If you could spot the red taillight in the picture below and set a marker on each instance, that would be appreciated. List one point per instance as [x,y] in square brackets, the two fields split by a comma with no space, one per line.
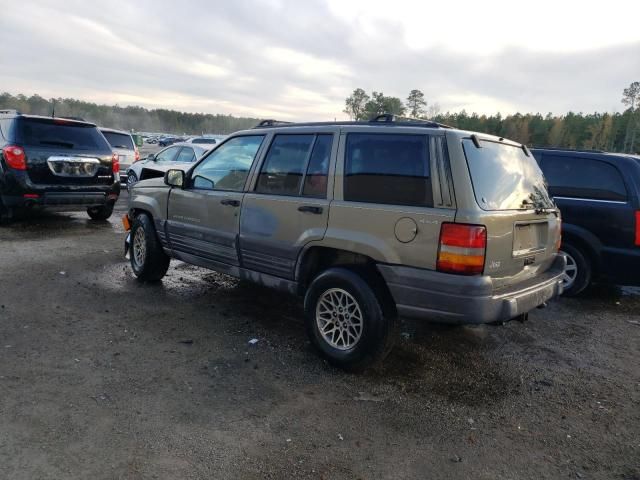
[638,228]
[136,155]
[115,163]
[15,157]
[462,248]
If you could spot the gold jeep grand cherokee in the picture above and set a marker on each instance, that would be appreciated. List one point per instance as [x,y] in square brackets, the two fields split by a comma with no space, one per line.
[368,221]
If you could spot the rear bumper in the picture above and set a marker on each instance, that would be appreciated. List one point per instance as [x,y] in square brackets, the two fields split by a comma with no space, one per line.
[16,191]
[59,199]
[454,299]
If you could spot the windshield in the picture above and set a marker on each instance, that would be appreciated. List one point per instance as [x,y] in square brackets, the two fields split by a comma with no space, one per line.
[119,140]
[504,177]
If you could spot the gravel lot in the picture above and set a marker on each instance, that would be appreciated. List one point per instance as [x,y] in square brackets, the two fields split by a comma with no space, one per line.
[104,377]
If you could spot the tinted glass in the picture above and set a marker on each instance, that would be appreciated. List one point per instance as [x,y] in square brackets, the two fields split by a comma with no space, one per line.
[227,167]
[315,181]
[583,178]
[283,169]
[58,134]
[119,140]
[504,177]
[167,155]
[390,169]
[186,155]
[210,141]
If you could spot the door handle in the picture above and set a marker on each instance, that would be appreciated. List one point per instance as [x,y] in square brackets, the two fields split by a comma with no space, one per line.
[310,209]
[230,202]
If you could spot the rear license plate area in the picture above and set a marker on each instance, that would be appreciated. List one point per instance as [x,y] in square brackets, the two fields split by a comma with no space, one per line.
[529,238]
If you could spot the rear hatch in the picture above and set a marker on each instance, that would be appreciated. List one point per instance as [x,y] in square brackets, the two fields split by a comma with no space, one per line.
[64,152]
[123,146]
[522,222]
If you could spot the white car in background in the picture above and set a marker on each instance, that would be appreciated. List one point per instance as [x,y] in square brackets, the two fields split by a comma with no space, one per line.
[179,155]
[202,141]
[122,145]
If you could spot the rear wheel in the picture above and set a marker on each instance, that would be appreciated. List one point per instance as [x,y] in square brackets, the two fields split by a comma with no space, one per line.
[148,260]
[100,213]
[577,274]
[345,320]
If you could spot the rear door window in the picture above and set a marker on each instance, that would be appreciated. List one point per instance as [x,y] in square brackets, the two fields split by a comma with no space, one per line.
[388,169]
[119,140]
[62,134]
[578,177]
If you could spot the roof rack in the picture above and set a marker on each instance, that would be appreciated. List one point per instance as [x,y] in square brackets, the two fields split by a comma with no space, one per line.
[391,118]
[272,123]
[386,118]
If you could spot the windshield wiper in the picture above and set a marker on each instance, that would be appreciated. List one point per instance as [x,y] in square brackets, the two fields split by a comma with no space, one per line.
[57,142]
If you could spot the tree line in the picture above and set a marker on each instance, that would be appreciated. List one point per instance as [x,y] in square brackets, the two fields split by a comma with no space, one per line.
[128,118]
[615,132]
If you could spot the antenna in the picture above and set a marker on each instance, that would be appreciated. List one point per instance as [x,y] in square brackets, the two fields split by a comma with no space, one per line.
[53,108]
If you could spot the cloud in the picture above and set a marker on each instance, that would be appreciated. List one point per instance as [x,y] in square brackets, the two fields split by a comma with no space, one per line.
[299,60]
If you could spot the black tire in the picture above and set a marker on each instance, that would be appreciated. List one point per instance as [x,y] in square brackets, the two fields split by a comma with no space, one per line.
[377,332]
[132,179]
[151,264]
[584,269]
[100,214]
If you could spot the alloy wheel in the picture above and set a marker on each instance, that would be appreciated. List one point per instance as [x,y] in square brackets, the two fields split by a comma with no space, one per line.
[339,319]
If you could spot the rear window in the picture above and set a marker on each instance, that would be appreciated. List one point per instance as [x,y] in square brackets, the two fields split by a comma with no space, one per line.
[504,177]
[207,141]
[48,133]
[583,178]
[119,140]
[388,168]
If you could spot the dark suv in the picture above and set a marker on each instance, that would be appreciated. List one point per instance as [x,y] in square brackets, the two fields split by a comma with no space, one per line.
[55,162]
[599,196]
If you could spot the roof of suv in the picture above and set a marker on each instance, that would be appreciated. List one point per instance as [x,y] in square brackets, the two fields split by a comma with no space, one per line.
[567,152]
[16,114]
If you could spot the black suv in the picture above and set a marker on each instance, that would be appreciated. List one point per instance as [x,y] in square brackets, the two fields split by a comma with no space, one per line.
[599,196]
[55,162]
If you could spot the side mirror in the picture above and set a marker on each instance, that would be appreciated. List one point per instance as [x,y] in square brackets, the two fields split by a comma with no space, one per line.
[151,157]
[174,178]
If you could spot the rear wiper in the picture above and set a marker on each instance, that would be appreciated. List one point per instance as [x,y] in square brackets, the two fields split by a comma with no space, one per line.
[57,142]
[539,209]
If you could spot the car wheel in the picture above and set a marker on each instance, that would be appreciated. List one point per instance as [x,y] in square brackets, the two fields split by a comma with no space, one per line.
[346,321]
[100,213]
[132,179]
[148,260]
[577,274]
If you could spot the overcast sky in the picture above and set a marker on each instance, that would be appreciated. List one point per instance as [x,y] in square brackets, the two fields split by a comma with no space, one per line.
[299,59]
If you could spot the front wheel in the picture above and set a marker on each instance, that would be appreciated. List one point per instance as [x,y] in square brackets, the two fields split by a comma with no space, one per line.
[132,179]
[101,213]
[345,320]
[148,260]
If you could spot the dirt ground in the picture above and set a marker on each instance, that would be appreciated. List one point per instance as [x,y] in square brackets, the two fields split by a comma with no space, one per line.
[103,377]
